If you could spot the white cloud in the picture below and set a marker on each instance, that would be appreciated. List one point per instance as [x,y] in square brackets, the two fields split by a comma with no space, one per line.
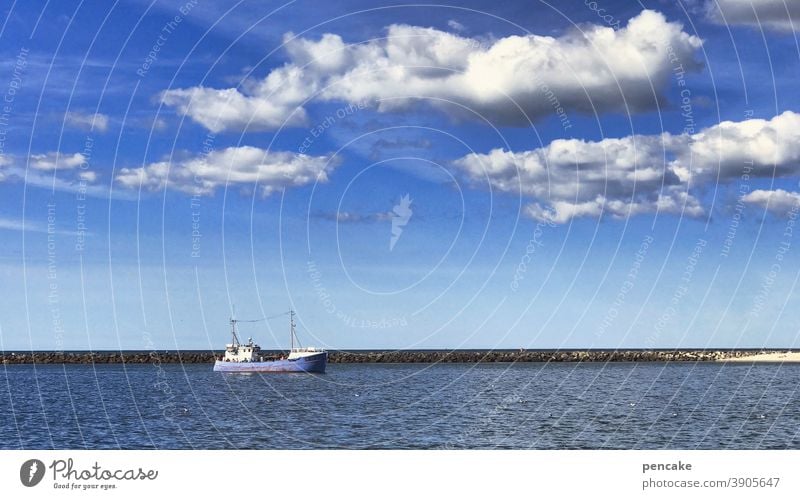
[768,147]
[8,224]
[269,171]
[159,124]
[14,166]
[638,174]
[345,217]
[90,122]
[5,161]
[779,202]
[455,25]
[782,15]
[56,161]
[672,200]
[219,110]
[32,226]
[597,69]
[575,178]
[55,171]
[88,176]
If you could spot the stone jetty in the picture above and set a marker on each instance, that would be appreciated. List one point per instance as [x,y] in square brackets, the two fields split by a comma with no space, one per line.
[390,357]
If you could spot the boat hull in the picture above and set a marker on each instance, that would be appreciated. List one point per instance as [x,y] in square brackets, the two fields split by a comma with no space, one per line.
[310,364]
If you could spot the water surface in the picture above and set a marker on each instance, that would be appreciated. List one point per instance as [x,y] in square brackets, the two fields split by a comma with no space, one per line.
[520,406]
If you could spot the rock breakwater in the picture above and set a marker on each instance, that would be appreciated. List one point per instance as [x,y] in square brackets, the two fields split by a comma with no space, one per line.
[390,357]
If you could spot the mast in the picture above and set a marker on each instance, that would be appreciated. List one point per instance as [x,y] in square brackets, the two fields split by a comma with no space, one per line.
[235,339]
[291,327]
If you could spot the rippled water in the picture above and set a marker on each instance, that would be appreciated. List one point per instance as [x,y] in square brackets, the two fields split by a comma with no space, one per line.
[649,406]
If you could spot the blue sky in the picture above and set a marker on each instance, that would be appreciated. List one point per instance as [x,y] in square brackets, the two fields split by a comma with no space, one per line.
[581,174]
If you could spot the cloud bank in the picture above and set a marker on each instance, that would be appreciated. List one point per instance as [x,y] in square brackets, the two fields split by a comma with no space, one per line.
[244,166]
[573,178]
[596,69]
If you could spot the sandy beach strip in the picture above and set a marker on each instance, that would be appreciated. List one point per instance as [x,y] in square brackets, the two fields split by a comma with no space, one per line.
[765,357]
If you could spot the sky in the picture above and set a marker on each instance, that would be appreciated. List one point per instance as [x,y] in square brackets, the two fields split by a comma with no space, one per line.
[574,174]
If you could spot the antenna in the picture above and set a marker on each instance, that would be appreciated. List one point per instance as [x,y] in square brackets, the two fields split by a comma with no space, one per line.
[291,326]
[234,339]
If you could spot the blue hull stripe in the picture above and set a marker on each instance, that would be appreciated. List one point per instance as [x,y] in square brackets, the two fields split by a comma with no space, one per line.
[310,364]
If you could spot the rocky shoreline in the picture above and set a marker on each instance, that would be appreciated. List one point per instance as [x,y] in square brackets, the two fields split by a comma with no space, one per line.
[394,357]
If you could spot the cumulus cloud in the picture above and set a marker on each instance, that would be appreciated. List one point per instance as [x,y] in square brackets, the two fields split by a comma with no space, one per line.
[11,165]
[56,161]
[596,69]
[269,171]
[779,202]
[571,178]
[782,15]
[229,109]
[53,170]
[576,178]
[89,122]
[756,147]
[672,200]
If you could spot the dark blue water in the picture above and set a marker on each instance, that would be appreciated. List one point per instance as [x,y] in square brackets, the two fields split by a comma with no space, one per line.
[642,406]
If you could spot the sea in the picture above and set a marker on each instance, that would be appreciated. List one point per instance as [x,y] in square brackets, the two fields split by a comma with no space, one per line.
[403,406]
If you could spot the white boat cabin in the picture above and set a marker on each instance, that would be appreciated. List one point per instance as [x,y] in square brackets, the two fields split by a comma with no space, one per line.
[298,353]
[248,352]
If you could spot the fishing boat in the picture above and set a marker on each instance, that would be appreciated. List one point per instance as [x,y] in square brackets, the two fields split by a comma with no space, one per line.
[247,357]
